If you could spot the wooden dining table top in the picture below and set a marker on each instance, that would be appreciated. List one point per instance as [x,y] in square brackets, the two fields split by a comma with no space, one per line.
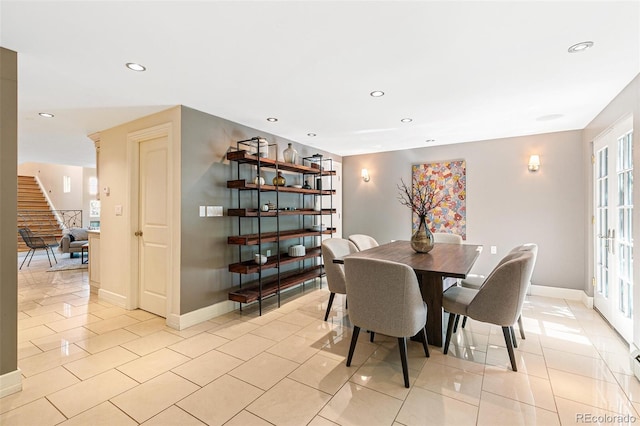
[451,260]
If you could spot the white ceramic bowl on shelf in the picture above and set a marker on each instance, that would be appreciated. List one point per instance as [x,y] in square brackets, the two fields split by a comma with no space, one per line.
[260,259]
[297,250]
[318,228]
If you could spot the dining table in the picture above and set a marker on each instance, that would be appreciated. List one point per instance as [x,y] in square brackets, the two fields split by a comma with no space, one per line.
[444,260]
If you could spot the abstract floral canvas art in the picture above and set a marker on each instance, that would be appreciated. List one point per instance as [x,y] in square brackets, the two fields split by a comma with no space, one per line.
[451,179]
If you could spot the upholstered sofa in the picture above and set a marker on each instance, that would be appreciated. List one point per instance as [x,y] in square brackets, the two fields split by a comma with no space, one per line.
[72,240]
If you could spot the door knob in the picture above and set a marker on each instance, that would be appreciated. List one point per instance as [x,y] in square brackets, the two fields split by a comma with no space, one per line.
[138,234]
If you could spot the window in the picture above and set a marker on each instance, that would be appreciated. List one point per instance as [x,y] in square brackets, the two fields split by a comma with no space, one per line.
[66,184]
[94,208]
[93,185]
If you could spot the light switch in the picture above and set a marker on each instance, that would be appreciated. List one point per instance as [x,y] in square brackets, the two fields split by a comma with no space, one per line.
[119,210]
[214,210]
[202,211]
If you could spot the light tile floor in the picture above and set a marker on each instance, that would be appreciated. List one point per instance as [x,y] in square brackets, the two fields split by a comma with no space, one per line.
[87,362]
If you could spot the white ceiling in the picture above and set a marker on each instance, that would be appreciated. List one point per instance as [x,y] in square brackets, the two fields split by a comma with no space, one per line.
[462,71]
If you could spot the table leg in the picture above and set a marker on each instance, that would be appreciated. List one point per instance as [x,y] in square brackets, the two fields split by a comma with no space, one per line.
[431,289]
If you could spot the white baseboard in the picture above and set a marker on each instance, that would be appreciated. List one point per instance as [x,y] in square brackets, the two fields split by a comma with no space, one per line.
[587,300]
[560,293]
[113,298]
[10,383]
[180,322]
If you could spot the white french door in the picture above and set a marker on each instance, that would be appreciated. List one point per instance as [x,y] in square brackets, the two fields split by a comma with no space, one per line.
[613,232]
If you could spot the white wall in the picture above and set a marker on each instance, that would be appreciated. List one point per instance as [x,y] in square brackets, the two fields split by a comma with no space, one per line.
[118,245]
[506,204]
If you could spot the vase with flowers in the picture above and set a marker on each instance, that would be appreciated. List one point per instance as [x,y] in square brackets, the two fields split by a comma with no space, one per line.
[421,198]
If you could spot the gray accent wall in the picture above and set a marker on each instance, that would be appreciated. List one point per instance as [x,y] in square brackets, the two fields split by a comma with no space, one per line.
[8,210]
[205,254]
[506,204]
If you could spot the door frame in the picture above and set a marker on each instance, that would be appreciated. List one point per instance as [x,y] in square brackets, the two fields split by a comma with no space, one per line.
[133,165]
[608,133]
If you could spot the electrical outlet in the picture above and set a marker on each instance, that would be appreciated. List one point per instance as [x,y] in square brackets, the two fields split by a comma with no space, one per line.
[494,249]
[268,253]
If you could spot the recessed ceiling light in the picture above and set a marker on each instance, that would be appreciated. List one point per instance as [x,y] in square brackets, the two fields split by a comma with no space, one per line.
[430,140]
[580,47]
[272,119]
[377,93]
[135,67]
[46,114]
[406,120]
[311,135]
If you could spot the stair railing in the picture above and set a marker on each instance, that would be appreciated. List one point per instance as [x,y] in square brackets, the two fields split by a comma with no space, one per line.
[62,219]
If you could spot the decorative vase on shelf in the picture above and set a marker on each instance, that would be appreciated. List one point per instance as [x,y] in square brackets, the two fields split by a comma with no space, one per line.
[422,239]
[306,185]
[290,155]
[279,180]
[260,147]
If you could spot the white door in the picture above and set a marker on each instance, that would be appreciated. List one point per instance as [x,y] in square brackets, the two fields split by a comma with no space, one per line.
[613,184]
[153,225]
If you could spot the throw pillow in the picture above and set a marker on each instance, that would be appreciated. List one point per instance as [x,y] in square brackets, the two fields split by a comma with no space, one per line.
[79,234]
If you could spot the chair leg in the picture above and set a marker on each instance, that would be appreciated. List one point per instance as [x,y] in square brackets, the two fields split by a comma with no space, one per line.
[425,341]
[371,336]
[464,321]
[402,343]
[513,337]
[32,253]
[507,340]
[25,258]
[452,320]
[331,296]
[455,326]
[354,340]
[346,302]
[53,254]
[521,327]
[46,249]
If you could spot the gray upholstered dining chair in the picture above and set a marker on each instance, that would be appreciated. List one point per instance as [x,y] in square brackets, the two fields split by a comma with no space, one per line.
[363,242]
[445,237]
[498,301]
[331,249]
[385,298]
[476,281]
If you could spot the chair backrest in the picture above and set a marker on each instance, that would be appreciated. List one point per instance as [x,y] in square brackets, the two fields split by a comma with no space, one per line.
[363,242]
[501,296]
[528,247]
[533,248]
[27,237]
[384,297]
[331,249]
[445,237]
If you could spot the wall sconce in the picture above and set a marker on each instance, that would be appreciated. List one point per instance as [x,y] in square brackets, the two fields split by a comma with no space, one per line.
[365,175]
[534,163]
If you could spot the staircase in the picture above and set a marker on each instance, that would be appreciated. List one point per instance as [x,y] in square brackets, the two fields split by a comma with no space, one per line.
[34,211]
